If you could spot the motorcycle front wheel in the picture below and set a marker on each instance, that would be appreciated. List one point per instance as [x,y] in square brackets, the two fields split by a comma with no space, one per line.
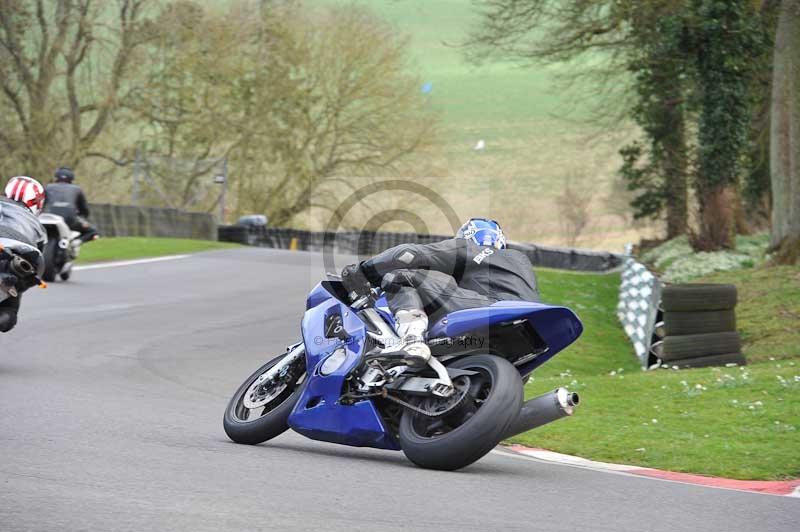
[258,413]
[468,432]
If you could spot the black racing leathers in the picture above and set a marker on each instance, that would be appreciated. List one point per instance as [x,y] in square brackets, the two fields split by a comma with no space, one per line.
[21,233]
[450,275]
[67,200]
[17,222]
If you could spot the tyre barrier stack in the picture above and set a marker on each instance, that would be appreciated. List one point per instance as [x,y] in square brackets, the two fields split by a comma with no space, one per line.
[699,326]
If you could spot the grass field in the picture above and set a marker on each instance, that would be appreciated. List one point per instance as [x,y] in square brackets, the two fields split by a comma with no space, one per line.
[530,125]
[768,312]
[127,248]
[735,422]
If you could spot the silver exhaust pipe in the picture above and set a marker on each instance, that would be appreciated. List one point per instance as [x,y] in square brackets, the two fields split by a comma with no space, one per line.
[543,410]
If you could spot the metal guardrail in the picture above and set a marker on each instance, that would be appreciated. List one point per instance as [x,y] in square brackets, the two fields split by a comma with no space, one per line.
[129,220]
[365,243]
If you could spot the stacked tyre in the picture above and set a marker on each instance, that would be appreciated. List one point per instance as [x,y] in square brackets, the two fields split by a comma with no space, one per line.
[699,322]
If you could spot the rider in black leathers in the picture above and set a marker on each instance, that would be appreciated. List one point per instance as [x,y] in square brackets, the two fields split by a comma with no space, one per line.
[21,233]
[428,281]
[66,199]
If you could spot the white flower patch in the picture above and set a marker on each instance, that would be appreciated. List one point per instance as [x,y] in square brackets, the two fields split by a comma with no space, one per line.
[689,267]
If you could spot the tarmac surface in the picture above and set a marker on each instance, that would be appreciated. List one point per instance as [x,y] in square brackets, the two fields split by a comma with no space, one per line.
[112,390]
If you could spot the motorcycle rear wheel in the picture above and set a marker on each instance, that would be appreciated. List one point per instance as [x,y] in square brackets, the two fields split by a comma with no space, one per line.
[50,260]
[460,438]
[247,426]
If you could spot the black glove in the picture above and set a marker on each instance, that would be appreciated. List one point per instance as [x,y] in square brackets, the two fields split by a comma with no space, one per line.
[355,282]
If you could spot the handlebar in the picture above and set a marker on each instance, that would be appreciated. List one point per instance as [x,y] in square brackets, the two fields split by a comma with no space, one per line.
[366,301]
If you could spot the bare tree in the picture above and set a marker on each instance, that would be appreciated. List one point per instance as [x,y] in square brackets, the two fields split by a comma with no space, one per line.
[298,100]
[63,68]
[191,106]
[574,208]
[785,136]
[353,111]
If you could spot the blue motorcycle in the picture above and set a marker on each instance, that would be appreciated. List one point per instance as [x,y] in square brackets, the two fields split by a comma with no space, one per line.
[337,386]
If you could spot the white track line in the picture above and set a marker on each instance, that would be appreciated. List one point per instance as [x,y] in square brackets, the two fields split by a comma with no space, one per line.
[120,263]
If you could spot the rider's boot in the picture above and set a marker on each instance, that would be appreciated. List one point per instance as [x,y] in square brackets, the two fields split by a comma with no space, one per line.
[411,327]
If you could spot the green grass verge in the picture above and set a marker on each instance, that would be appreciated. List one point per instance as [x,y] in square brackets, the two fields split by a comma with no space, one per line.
[126,248]
[768,312]
[733,422]
[603,346]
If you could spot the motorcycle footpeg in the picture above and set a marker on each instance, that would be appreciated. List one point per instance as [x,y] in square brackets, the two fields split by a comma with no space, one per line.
[10,290]
[442,390]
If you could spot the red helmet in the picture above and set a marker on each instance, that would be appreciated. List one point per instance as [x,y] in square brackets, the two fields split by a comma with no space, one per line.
[27,191]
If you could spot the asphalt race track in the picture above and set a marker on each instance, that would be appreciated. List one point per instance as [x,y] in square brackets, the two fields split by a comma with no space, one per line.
[112,390]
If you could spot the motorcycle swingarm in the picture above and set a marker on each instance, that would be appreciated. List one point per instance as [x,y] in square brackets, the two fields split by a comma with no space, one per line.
[423,385]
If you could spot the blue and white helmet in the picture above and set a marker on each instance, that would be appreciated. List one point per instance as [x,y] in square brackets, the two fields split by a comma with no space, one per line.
[484,232]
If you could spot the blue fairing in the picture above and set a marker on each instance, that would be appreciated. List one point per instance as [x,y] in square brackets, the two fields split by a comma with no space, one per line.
[318,295]
[318,413]
[558,326]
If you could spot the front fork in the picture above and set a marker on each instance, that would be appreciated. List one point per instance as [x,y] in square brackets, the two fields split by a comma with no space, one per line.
[278,371]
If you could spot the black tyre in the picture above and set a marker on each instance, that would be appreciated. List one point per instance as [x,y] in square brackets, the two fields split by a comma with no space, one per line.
[50,260]
[693,297]
[457,439]
[65,275]
[712,360]
[249,426]
[699,345]
[711,321]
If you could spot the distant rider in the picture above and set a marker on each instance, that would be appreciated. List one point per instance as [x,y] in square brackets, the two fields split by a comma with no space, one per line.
[66,199]
[422,281]
[23,235]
